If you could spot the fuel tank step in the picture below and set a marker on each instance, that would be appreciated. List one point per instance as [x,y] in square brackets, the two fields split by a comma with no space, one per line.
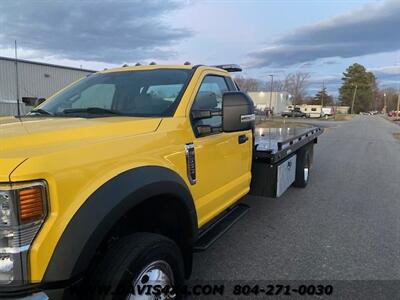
[217,228]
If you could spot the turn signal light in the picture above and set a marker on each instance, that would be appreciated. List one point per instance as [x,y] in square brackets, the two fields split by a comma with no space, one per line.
[31,204]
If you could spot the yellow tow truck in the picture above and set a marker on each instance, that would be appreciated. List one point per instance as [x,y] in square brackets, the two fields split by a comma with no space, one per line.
[118,178]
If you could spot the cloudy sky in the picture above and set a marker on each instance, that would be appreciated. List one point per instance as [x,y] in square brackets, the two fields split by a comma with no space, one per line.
[321,37]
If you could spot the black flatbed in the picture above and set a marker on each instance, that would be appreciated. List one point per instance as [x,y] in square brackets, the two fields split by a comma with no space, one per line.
[275,144]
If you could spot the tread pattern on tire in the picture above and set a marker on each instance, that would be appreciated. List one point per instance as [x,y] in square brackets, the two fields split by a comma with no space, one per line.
[111,269]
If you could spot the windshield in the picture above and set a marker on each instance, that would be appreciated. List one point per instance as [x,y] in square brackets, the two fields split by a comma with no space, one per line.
[136,93]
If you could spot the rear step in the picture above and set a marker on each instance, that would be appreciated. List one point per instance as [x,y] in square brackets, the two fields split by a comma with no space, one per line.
[215,230]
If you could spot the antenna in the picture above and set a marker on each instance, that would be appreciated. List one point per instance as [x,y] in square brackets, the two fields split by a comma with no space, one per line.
[17,80]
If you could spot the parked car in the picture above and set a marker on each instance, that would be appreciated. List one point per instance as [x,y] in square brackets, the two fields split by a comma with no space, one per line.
[295,113]
[393,113]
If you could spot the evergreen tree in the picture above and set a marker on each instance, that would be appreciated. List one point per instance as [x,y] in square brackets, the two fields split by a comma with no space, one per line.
[356,78]
[322,98]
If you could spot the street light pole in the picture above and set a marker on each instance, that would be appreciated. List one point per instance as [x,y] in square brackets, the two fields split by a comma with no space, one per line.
[270,96]
[354,99]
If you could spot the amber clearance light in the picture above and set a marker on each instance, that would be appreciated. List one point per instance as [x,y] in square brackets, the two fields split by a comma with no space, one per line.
[31,204]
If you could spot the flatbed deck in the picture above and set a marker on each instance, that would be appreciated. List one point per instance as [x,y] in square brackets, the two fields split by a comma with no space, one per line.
[274,144]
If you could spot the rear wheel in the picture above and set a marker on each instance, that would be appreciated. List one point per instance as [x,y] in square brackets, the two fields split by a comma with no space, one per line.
[135,263]
[303,163]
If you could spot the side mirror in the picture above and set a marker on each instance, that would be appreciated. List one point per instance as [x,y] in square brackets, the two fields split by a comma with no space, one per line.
[237,112]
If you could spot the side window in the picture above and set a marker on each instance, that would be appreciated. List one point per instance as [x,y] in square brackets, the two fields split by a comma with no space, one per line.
[232,86]
[209,97]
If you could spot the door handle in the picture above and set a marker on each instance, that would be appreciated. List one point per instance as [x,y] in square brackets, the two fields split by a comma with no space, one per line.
[242,139]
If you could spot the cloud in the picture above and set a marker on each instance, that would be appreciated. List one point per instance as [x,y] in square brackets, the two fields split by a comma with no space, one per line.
[331,82]
[327,79]
[386,70]
[387,75]
[107,31]
[370,30]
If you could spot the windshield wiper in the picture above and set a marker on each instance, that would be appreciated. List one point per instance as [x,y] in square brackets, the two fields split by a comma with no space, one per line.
[91,110]
[40,111]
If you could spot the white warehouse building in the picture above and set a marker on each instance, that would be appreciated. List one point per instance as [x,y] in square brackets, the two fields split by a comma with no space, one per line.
[279,100]
[35,80]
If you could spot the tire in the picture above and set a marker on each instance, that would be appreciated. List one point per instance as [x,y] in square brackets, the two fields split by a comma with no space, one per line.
[303,164]
[136,260]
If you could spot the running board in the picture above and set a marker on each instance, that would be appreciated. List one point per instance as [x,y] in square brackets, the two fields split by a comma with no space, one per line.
[214,231]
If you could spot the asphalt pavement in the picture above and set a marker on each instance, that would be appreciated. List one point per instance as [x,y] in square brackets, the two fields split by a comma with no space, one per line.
[344,226]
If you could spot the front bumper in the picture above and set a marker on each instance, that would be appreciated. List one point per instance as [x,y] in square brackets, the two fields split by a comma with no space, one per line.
[38,292]
[37,296]
[54,294]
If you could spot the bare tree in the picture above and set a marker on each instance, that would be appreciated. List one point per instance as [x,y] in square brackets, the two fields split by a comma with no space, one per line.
[389,96]
[248,84]
[296,84]
[278,86]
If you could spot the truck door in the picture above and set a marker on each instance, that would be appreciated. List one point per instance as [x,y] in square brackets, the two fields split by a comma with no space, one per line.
[223,160]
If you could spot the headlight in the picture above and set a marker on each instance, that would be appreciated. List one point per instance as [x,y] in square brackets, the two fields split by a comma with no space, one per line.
[23,208]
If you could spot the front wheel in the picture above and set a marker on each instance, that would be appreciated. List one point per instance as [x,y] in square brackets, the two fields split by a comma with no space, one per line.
[136,262]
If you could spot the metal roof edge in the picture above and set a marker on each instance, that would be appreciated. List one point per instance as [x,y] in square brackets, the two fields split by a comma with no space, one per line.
[45,64]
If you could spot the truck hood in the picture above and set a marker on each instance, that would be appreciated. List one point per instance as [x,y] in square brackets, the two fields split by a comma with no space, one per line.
[23,138]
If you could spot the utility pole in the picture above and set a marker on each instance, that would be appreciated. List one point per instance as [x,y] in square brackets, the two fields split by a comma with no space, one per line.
[322,100]
[384,103]
[17,80]
[270,96]
[323,91]
[354,99]
[398,95]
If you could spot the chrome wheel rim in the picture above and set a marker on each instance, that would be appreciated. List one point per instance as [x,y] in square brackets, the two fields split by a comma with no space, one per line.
[156,273]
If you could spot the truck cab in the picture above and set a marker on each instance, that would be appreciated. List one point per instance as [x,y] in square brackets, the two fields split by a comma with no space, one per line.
[114,181]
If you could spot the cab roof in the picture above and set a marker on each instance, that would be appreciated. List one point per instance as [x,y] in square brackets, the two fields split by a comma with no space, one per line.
[146,67]
[126,68]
